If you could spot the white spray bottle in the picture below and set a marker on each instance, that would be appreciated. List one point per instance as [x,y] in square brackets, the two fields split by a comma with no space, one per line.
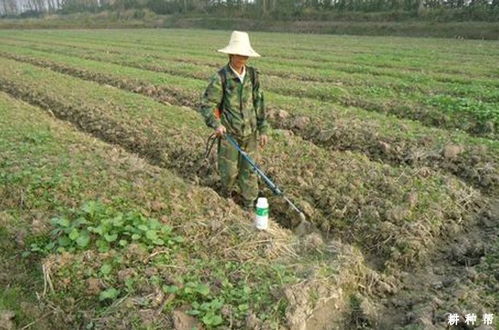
[262,213]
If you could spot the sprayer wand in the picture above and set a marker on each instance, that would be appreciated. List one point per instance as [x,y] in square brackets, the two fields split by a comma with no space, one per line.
[272,186]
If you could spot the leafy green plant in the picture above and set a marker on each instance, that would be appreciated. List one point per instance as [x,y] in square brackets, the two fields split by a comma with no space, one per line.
[482,111]
[110,293]
[100,226]
[229,293]
[200,297]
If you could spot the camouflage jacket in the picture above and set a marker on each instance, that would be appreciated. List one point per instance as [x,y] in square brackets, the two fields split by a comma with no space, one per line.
[243,107]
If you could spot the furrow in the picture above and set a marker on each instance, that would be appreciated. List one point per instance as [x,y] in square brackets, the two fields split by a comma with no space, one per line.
[479,114]
[395,215]
[472,164]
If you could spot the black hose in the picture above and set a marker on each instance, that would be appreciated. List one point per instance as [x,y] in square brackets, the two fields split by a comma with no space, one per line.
[209,145]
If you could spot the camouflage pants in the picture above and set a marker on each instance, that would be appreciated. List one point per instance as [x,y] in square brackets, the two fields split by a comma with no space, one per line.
[233,167]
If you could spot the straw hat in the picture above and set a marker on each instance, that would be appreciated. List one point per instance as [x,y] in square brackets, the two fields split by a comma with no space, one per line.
[239,44]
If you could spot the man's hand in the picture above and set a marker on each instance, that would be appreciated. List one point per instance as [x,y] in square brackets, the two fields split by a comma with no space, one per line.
[220,131]
[263,140]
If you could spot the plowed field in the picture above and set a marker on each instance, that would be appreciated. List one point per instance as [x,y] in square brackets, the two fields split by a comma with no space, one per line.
[110,215]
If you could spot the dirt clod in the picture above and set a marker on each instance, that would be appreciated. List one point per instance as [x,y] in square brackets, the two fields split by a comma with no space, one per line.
[125,274]
[252,322]
[182,321]
[38,225]
[147,316]
[20,239]
[385,147]
[281,114]
[157,205]
[301,122]
[136,251]
[7,319]
[451,151]
[313,242]
[93,286]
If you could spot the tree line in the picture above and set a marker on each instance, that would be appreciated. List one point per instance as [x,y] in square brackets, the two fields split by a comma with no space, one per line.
[272,9]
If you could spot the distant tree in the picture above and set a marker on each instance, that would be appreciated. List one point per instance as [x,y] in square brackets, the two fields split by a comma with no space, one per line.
[2,7]
[10,7]
[267,9]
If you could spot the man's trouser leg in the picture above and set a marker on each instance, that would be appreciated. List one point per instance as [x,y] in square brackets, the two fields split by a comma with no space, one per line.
[247,178]
[228,157]
[232,166]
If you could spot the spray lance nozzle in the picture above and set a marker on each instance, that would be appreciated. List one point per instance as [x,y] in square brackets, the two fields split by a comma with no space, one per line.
[300,213]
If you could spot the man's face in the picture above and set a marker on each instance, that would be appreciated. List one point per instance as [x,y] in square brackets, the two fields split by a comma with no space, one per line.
[238,61]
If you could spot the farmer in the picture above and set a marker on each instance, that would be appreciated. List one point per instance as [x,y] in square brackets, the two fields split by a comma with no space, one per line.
[233,104]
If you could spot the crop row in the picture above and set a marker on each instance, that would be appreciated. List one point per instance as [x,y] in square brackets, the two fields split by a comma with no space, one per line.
[55,169]
[425,102]
[379,137]
[395,213]
[303,69]
[437,64]
[415,55]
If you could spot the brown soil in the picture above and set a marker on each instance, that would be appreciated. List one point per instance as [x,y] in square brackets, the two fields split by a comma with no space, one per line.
[451,280]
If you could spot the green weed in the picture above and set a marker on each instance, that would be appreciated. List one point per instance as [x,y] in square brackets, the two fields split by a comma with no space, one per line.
[96,225]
